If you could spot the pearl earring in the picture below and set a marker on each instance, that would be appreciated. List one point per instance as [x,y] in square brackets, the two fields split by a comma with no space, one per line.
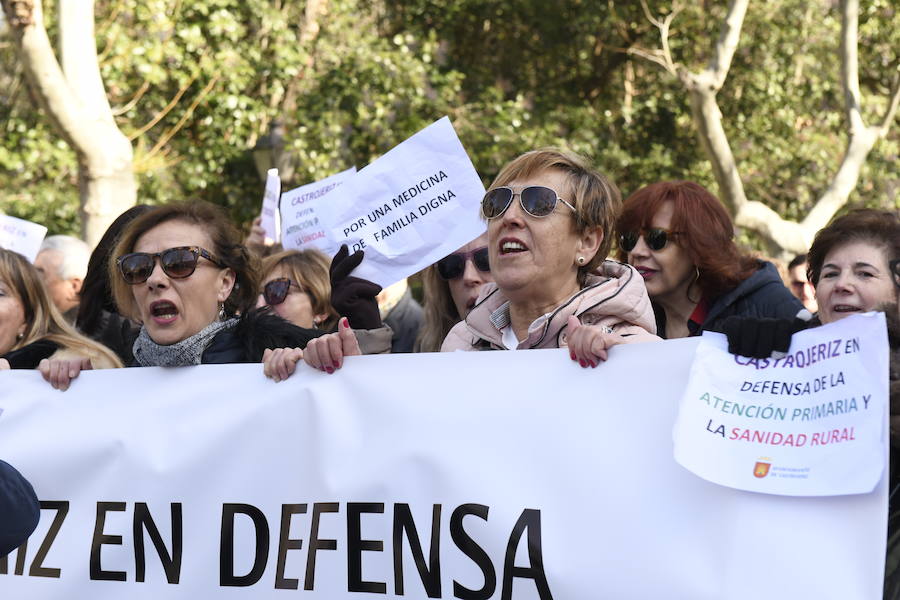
[580,260]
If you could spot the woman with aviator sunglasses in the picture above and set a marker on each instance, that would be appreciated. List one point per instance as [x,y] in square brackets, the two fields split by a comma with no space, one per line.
[550,221]
[451,287]
[181,271]
[680,239]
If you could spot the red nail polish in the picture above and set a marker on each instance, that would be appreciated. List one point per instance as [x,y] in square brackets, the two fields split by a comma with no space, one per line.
[572,355]
[329,370]
[336,365]
[582,363]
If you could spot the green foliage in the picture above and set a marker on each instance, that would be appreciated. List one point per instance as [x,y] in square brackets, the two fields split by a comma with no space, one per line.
[196,83]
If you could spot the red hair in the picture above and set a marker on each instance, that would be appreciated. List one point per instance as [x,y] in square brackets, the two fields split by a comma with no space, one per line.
[705,231]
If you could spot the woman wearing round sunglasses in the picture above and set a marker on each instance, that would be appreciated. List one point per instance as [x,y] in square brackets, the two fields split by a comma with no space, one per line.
[550,221]
[451,287]
[181,271]
[680,239]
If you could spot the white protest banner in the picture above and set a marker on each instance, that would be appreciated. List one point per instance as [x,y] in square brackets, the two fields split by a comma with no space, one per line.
[486,474]
[301,225]
[411,207]
[808,424]
[269,213]
[21,236]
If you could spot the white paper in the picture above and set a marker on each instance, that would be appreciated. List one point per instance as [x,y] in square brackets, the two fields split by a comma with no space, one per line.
[411,207]
[269,213]
[21,236]
[590,449]
[813,423]
[301,224]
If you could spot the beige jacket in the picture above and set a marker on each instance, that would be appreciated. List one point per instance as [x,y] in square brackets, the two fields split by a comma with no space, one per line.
[614,297]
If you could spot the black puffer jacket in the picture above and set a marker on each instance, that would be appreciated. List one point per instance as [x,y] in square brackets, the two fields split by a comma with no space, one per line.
[19,509]
[762,295]
[255,332]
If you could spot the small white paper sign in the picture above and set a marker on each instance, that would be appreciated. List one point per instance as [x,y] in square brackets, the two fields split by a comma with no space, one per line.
[813,423]
[411,207]
[269,213]
[21,236]
[301,225]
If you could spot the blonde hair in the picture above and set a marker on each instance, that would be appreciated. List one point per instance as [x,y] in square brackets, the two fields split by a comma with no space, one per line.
[43,321]
[597,200]
[440,314]
[310,270]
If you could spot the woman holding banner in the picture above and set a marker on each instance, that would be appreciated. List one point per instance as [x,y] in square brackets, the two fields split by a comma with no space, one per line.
[32,328]
[550,222]
[182,272]
[301,287]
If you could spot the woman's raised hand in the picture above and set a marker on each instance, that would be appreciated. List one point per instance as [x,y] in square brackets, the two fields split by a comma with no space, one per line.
[61,371]
[588,344]
[327,352]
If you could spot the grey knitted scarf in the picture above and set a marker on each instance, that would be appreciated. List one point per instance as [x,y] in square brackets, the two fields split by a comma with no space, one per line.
[186,352]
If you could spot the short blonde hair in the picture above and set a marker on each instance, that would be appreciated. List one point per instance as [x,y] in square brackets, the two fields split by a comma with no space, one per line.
[310,270]
[43,321]
[597,200]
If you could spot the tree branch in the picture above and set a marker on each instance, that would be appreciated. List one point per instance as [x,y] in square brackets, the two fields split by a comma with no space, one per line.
[166,110]
[78,57]
[727,43]
[164,139]
[893,103]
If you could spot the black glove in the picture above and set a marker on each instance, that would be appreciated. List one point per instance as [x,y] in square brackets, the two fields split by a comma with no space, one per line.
[759,337]
[353,297]
[28,357]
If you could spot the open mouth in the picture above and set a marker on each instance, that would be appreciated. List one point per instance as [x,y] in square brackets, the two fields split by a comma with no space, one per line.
[511,246]
[845,308]
[163,311]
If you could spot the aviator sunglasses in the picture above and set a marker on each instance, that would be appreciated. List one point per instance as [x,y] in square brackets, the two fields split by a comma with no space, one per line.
[177,263]
[656,238]
[454,265]
[536,200]
[277,290]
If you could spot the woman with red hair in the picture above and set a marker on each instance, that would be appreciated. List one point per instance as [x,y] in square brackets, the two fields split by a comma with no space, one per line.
[681,240]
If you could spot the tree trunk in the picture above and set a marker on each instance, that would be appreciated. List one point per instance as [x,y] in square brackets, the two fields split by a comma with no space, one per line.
[76,103]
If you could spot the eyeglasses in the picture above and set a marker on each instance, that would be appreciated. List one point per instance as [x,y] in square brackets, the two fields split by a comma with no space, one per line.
[177,263]
[277,290]
[655,237]
[895,269]
[454,265]
[536,200]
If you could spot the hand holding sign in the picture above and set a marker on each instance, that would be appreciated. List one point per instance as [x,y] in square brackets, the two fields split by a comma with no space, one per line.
[353,297]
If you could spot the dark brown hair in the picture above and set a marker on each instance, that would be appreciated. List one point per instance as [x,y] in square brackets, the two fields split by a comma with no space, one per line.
[703,227]
[877,227]
[227,248]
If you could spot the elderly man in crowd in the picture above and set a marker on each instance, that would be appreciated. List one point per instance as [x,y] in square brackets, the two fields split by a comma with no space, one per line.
[62,262]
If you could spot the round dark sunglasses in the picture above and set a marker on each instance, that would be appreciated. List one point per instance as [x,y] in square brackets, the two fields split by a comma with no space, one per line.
[454,265]
[536,200]
[277,290]
[177,263]
[656,238]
